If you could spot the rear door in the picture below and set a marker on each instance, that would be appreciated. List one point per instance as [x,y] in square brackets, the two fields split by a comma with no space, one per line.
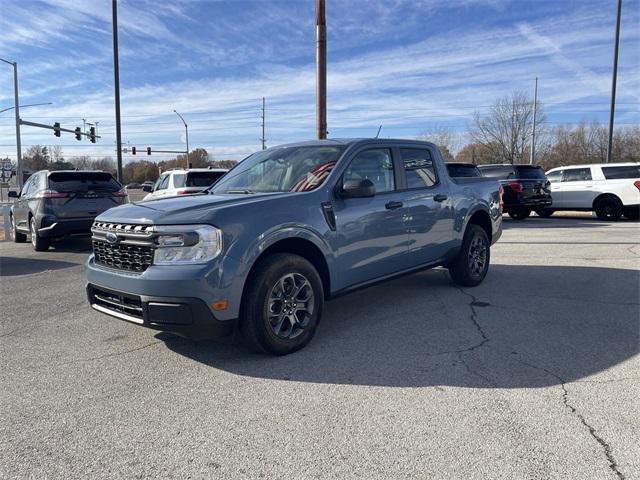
[578,188]
[83,194]
[430,220]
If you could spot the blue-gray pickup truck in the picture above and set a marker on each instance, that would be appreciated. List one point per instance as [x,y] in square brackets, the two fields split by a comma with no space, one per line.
[285,230]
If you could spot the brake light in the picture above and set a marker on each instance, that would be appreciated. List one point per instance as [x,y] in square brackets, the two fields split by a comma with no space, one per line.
[119,193]
[637,184]
[500,194]
[51,194]
[516,187]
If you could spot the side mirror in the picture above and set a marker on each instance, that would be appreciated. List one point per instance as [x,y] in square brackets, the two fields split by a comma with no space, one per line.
[358,189]
[147,188]
[13,194]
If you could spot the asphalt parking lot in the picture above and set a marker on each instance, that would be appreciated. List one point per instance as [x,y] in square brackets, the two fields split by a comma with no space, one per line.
[533,374]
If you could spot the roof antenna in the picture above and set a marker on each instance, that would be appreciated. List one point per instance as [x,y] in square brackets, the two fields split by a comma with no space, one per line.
[379,128]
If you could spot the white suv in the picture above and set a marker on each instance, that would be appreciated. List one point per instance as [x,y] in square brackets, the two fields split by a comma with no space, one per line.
[184,182]
[609,189]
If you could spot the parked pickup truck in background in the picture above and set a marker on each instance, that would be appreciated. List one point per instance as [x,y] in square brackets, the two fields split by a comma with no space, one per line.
[286,229]
[525,188]
[609,189]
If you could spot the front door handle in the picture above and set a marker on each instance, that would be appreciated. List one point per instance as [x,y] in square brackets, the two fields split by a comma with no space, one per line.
[441,197]
[393,205]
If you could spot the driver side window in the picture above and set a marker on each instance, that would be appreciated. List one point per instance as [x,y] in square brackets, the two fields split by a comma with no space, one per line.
[163,182]
[375,165]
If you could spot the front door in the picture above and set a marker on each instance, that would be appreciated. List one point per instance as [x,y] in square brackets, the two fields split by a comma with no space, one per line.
[371,233]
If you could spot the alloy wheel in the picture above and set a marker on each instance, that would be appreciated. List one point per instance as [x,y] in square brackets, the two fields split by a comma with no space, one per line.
[477,256]
[290,306]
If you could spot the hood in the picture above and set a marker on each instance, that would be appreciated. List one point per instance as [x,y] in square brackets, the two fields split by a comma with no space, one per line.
[184,209]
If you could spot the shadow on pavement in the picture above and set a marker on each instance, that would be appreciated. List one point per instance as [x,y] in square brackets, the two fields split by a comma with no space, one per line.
[556,222]
[525,327]
[72,245]
[15,266]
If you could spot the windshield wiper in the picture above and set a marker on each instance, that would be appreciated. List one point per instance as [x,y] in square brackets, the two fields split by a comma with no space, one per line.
[244,192]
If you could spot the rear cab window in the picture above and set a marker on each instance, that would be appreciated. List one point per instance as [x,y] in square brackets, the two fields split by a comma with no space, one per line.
[625,171]
[83,182]
[463,171]
[419,168]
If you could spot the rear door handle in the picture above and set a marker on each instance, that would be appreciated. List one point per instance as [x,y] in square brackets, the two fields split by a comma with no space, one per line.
[393,205]
[441,197]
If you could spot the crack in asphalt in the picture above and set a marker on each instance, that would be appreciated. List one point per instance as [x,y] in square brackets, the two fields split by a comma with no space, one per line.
[592,431]
[477,374]
[474,320]
[113,354]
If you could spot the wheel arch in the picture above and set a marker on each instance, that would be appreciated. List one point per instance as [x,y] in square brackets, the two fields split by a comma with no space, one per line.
[481,218]
[602,196]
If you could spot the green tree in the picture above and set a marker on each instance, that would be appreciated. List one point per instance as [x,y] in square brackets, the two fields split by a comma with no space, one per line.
[36,158]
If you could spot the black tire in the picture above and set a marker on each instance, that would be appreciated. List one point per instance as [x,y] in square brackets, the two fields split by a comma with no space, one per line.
[16,236]
[39,243]
[544,213]
[264,322]
[632,213]
[608,208]
[519,214]
[465,269]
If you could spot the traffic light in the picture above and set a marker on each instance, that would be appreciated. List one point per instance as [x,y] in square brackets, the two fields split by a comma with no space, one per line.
[148,150]
[78,133]
[133,150]
[56,129]
[92,134]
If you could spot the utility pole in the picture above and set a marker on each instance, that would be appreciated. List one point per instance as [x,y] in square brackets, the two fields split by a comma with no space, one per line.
[264,140]
[614,79]
[186,132]
[533,131]
[116,84]
[16,106]
[321,70]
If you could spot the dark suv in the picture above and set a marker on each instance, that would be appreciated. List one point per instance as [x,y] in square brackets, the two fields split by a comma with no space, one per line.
[526,188]
[53,205]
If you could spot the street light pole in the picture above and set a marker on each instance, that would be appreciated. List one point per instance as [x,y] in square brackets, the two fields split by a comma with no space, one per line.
[533,131]
[16,106]
[614,78]
[116,85]
[25,106]
[186,134]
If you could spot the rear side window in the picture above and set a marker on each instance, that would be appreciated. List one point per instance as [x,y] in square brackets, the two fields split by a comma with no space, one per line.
[498,171]
[418,167]
[529,173]
[462,171]
[627,171]
[576,175]
[202,179]
[82,182]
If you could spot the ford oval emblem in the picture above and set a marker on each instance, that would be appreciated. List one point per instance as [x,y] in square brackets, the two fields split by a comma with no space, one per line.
[111,237]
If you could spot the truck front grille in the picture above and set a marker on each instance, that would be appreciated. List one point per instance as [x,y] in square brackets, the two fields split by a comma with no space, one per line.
[123,247]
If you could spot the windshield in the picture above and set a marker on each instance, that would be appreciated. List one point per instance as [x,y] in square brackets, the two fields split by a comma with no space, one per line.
[285,169]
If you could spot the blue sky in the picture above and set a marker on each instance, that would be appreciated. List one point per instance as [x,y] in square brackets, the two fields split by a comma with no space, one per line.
[410,65]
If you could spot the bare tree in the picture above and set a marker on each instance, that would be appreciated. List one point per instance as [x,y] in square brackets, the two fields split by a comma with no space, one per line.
[444,137]
[507,129]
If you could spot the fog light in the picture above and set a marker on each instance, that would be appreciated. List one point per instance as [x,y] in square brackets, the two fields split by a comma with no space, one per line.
[220,304]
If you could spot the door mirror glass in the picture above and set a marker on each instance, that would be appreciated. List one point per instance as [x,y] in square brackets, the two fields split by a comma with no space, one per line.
[358,188]
[13,194]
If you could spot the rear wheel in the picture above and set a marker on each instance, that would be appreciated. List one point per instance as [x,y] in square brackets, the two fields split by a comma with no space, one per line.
[608,208]
[472,263]
[282,305]
[16,236]
[519,214]
[39,244]
[632,213]
[544,213]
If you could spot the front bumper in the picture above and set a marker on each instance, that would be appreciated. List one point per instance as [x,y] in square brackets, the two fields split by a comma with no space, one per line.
[185,316]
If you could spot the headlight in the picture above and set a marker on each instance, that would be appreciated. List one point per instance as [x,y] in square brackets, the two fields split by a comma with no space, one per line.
[187,244]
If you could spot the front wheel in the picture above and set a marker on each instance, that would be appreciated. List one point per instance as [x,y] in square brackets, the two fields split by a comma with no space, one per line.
[472,263]
[282,304]
[544,213]
[519,214]
[16,236]
[39,243]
